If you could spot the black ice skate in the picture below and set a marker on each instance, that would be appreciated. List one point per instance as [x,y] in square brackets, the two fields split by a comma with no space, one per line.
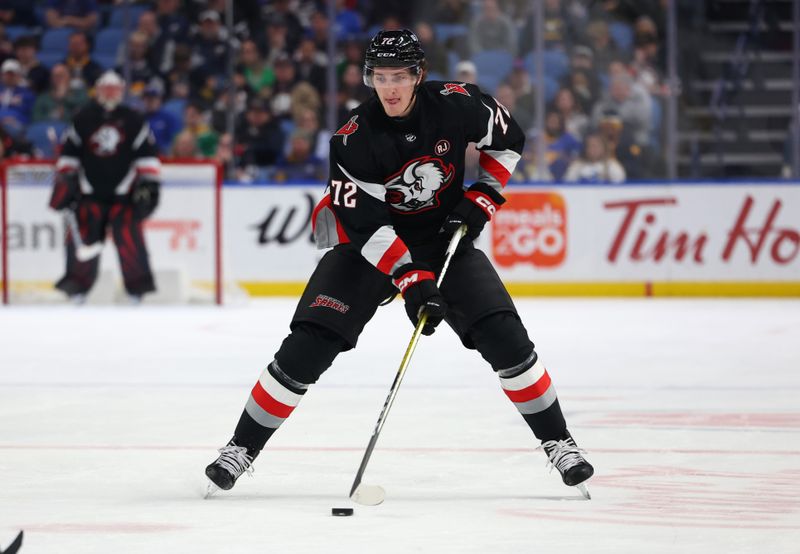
[232,462]
[564,455]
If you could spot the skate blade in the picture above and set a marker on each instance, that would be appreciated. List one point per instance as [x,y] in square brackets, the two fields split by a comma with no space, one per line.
[211,489]
[584,491]
[368,495]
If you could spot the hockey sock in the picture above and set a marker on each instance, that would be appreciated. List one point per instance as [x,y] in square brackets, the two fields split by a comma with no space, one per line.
[273,398]
[529,387]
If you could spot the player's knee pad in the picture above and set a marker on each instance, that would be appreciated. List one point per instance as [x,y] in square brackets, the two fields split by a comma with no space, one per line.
[308,351]
[503,342]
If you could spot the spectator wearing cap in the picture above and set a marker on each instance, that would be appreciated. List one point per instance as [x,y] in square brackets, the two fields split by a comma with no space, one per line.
[490,29]
[257,75]
[34,74]
[259,138]
[195,121]
[465,71]
[638,160]
[78,14]
[16,100]
[163,124]
[83,69]
[285,80]
[60,102]
[210,44]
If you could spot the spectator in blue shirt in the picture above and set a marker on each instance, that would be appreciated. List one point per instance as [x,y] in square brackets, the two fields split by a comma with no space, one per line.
[16,101]
[163,124]
[78,14]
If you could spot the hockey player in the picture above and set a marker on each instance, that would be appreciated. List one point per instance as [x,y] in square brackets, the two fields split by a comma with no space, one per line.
[108,175]
[393,201]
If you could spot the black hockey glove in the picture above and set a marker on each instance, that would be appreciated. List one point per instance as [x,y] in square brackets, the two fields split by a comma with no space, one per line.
[417,284]
[145,197]
[66,191]
[479,204]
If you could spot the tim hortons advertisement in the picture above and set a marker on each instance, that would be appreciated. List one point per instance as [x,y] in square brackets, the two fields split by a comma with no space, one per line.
[648,233]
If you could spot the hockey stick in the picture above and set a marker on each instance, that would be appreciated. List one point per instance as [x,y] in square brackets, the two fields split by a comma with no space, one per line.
[372,495]
[14,546]
[83,252]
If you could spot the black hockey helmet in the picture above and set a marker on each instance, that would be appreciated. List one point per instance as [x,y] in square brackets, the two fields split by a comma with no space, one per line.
[393,49]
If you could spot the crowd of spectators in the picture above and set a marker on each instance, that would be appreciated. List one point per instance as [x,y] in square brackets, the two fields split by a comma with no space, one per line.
[602,90]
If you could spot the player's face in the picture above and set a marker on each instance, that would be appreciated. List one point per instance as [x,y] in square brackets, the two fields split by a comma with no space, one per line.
[395,89]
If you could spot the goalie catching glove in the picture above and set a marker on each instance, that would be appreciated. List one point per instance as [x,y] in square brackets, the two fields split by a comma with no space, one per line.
[66,191]
[417,284]
[145,197]
[479,204]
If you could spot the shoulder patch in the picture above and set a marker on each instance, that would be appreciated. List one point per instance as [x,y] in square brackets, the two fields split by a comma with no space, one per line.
[347,129]
[451,88]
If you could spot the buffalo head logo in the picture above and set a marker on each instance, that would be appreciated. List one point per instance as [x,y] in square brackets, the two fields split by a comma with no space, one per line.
[106,140]
[416,187]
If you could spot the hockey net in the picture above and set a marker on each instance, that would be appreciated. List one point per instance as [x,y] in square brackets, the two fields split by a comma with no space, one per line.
[183,237]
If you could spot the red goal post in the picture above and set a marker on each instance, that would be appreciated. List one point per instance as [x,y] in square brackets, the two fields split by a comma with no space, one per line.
[184,235]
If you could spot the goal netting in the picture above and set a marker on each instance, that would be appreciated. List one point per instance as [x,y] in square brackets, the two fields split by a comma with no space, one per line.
[182,236]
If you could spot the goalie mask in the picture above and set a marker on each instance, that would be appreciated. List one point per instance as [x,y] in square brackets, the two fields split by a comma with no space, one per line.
[397,49]
[109,90]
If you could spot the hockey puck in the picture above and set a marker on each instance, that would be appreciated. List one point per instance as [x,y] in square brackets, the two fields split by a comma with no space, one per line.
[341,511]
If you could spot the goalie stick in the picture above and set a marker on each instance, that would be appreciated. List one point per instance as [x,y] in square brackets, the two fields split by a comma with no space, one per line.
[372,495]
[83,252]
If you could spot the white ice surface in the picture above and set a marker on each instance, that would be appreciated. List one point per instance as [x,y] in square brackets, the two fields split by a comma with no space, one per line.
[689,409]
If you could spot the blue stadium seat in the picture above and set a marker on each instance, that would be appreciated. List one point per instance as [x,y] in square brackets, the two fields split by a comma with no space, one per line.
[50,58]
[55,40]
[107,42]
[446,31]
[117,19]
[13,32]
[37,134]
[556,63]
[106,61]
[493,66]
[622,33]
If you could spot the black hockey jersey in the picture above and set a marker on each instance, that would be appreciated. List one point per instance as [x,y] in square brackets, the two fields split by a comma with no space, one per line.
[109,149]
[393,182]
